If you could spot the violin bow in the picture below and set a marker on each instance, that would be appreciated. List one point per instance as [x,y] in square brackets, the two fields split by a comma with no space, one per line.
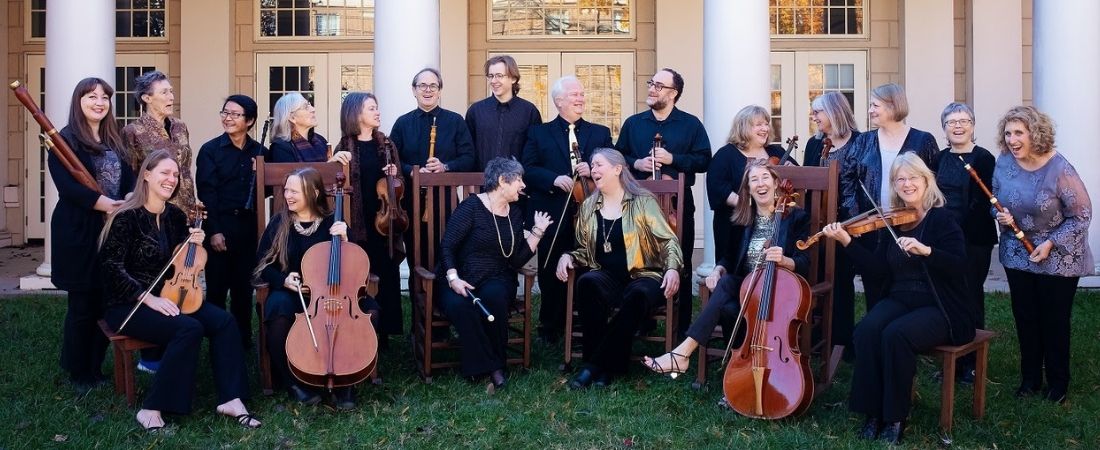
[309,323]
[141,298]
[564,208]
[889,228]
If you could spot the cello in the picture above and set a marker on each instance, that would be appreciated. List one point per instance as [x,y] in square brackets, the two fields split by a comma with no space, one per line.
[333,344]
[769,377]
[183,287]
[391,220]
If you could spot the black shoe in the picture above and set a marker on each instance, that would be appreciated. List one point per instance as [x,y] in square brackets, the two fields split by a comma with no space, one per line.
[603,380]
[303,395]
[870,429]
[892,433]
[344,398]
[498,379]
[1027,389]
[582,380]
[1056,395]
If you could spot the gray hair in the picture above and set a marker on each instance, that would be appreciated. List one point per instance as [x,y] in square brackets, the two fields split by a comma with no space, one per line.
[839,112]
[507,168]
[957,107]
[558,89]
[144,84]
[284,107]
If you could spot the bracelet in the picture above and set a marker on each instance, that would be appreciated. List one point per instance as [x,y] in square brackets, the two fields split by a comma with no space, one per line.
[451,277]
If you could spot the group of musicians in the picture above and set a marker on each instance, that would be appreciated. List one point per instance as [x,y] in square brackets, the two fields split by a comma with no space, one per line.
[923,277]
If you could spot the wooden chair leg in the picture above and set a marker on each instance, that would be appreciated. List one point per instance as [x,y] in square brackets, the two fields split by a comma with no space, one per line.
[980,379]
[566,366]
[265,360]
[701,352]
[128,374]
[947,406]
[120,368]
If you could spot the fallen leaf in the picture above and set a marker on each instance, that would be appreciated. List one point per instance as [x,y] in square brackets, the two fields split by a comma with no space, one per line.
[60,438]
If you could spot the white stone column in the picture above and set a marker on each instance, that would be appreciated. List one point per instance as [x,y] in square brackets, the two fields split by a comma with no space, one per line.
[406,39]
[995,64]
[206,67]
[928,45]
[80,43]
[1066,61]
[736,67]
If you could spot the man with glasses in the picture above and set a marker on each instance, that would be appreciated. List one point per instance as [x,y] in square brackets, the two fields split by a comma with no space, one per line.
[453,152]
[499,122]
[685,150]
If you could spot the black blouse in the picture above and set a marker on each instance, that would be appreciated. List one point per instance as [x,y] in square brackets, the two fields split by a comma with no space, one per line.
[965,200]
[296,247]
[136,249]
[473,241]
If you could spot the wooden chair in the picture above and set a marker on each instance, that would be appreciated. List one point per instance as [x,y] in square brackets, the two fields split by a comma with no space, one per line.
[949,356]
[818,187]
[270,178]
[670,197]
[448,189]
[124,347]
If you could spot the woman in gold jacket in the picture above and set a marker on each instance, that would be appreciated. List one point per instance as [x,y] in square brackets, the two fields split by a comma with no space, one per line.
[632,260]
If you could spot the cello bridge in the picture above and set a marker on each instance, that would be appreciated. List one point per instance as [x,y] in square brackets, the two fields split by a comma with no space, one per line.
[762,347]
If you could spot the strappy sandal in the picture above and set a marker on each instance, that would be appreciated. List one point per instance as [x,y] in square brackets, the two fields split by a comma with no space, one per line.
[674,371]
[245,420]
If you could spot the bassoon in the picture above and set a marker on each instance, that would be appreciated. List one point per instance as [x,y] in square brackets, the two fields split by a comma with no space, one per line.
[58,146]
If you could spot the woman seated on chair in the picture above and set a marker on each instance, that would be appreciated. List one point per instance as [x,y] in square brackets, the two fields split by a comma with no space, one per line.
[137,241]
[633,260]
[291,232]
[292,135]
[484,238]
[752,225]
[925,305]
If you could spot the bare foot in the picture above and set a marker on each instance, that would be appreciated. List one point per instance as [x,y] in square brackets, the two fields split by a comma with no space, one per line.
[150,419]
[671,362]
[236,409]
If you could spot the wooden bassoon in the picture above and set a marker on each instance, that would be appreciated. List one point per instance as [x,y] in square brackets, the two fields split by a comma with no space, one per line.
[55,144]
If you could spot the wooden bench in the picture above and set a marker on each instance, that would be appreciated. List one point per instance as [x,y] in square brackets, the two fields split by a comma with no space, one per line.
[124,347]
[950,354]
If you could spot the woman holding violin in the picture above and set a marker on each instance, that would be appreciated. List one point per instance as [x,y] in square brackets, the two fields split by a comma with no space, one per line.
[307,220]
[751,225]
[137,241]
[925,302]
[373,174]
[93,135]
[481,251]
[1044,198]
[633,263]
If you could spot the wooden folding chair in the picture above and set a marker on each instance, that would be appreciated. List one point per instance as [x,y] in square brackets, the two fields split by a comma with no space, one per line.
[270,178]
[818,187]
[446,190]
[670,197]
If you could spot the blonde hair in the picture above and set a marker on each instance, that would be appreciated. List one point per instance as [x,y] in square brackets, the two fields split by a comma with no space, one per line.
[284,108]
[1038,125]
[933,197]
[313,189]
[745,210]
[741,130]
[141,190]
[893,96]
[836,108]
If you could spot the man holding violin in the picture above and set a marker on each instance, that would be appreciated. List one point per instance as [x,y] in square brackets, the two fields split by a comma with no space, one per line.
[551,169]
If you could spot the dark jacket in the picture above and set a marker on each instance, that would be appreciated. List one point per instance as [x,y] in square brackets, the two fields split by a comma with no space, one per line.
[812,155]
[75,224]
[965,199]
[792,228]
[284,151]
[132,255]
[863,162]
[546,157]
[943,267]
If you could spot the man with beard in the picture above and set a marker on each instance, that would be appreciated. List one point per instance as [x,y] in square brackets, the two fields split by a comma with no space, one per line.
[499,122]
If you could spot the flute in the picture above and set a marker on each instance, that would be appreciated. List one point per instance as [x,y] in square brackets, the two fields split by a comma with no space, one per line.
[997,204]
[59,147]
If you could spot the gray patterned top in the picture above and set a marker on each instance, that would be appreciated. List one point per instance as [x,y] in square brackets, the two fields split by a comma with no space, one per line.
[763,229]
[1049,203]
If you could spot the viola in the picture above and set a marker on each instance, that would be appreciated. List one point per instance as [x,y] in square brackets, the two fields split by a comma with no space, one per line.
[792,145]
[391,220]
[868,222]
[183,287]
[769,377]
[333,344]
[582,186]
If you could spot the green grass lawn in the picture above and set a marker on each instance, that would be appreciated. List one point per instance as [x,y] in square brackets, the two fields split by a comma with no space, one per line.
[536,410]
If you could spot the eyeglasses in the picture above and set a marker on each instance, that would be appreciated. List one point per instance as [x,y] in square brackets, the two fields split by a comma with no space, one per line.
[910,180]
[234,115]
[958,123]
[495,76]
[428,87]
[657,86]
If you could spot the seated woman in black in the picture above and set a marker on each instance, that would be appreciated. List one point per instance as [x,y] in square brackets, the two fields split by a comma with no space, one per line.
[292,135]
[476,242]
[926,303]
[753,224]
[291,232]
[633,263]
[137,242]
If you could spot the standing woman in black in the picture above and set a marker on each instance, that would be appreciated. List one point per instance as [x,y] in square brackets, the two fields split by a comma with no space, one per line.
[225,180]
[748,139]
[359,122]
[137,241]
[970,207]
[77,220]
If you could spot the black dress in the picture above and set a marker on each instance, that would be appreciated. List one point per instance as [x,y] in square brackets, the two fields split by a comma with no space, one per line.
[366,167]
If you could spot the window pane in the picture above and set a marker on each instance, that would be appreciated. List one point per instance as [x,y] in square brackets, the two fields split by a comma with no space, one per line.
[603,92]
[122,24]
[141,24]
[816,17]
[560,17]
[304,18]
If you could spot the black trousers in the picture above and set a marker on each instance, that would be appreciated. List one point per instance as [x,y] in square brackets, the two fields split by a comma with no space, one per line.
[978,258]
[1042,306]
[230,272]
[723,307]
[389,286]
[181,337]
[844,300]
[281,306]
[687,247]
[606,344]
[887,342]
[83,345]
[484,343]
[551,289]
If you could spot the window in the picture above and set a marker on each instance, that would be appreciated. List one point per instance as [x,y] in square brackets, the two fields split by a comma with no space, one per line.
[38,18]
[306,18]
[603,89]
[816,17]
[520,18]
[140,18]
[776,103]
[534,80]
[283,79]
[127,108]
[355,78]
[832,77]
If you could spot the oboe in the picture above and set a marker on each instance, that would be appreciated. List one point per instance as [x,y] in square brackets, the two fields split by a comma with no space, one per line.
[426,217]
[997,204]
[653,155]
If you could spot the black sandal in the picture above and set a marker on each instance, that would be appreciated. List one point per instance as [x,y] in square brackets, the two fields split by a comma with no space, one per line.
[245,420]
[674,371]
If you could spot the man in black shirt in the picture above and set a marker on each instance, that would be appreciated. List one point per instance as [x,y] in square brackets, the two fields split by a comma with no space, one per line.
[499,123]
[549,167]
[453,152]
[685,150]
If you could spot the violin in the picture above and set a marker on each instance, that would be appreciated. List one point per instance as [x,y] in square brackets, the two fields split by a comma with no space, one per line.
[332,343]
[183,287]
[826,147]
[769,377]
[582,186]
[792,145]
[868,222]
[391,220]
